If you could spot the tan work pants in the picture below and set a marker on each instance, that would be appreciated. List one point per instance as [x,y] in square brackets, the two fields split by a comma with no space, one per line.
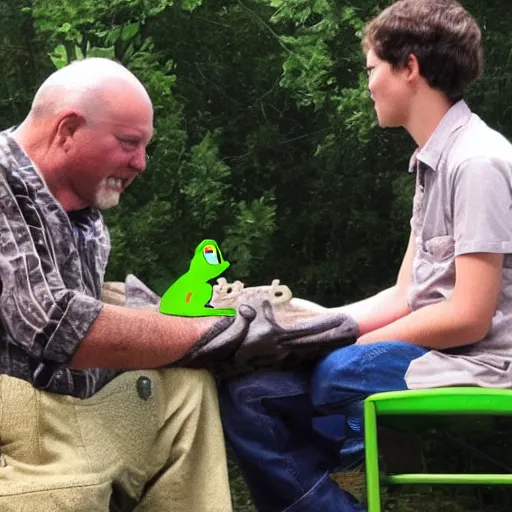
[165,451]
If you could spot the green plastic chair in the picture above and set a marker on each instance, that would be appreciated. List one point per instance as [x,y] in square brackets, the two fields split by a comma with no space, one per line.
[448,401]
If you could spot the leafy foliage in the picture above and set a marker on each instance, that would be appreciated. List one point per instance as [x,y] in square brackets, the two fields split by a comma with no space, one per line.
[265,139]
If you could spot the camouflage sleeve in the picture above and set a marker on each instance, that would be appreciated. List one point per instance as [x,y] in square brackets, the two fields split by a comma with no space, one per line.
[42,315]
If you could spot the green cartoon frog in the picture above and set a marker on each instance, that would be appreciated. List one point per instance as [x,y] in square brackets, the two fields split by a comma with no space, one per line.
[190,294]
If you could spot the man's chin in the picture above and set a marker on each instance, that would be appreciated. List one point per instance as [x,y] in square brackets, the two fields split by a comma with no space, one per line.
[106,201]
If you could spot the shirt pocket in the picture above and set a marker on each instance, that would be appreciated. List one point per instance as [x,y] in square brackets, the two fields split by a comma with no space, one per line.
[439,248]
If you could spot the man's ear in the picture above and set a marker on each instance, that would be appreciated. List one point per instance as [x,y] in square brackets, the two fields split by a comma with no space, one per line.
[67,125]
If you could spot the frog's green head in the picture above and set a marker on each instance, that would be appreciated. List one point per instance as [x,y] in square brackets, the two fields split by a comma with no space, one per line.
[208,262]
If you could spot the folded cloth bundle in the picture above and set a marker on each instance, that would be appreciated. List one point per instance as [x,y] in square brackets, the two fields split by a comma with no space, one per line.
[270,330]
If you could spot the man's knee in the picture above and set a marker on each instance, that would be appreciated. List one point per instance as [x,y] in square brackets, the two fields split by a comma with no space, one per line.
[197,379]
[201,378]
[184,384]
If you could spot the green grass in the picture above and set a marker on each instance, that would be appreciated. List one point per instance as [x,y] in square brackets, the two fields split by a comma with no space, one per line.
[240,494]
[443,452]
[397,499]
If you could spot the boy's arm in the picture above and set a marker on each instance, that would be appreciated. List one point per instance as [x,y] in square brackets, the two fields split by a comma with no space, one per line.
[387,306]
[464,318]
[479,184]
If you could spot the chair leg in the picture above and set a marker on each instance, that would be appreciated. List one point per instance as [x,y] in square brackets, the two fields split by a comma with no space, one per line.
[372,457]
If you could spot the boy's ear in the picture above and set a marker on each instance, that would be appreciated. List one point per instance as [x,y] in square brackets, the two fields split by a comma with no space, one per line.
[412,67]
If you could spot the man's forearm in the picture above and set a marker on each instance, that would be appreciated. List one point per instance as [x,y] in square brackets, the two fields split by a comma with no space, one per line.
[438,326]
[129,338]
[377,311]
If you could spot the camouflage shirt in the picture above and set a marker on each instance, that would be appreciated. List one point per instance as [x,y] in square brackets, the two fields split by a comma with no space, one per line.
[52,266]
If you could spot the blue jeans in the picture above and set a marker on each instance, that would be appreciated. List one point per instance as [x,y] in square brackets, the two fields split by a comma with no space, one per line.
[269,420]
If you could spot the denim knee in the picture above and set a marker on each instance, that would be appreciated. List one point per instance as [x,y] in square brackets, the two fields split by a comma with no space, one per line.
[240,392]
[327,376]
[265,384]
[359,370]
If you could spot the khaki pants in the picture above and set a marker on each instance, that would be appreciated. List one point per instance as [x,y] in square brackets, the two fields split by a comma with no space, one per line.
[166,452]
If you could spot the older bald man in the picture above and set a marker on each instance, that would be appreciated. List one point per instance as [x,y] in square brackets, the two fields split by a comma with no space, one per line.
[76,432]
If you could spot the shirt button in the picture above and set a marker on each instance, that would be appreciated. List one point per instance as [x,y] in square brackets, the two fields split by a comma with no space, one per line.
[144,387]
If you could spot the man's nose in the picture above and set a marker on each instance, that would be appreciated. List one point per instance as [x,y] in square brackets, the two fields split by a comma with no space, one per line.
[139,159]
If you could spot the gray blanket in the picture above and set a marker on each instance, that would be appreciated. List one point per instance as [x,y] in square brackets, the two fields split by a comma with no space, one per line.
[270,330]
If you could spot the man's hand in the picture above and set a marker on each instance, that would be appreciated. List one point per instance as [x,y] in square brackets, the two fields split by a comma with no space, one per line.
[265,335]
[204,324]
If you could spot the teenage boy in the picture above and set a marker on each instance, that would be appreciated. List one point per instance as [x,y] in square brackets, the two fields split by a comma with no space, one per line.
[448,319]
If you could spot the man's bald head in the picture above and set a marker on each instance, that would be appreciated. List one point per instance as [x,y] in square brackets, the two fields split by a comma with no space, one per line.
[87,132]
[84,85]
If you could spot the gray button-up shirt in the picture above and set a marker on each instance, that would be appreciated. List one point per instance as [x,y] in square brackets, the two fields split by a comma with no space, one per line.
[462,205]
[51,272]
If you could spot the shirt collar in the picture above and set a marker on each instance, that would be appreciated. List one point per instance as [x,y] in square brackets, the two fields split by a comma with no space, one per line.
[26,167]
[430,155]
[15,150]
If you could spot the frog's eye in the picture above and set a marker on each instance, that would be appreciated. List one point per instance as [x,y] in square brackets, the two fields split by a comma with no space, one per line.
[210,255]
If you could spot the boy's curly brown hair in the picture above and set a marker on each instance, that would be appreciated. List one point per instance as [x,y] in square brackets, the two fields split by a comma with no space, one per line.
[442,35]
